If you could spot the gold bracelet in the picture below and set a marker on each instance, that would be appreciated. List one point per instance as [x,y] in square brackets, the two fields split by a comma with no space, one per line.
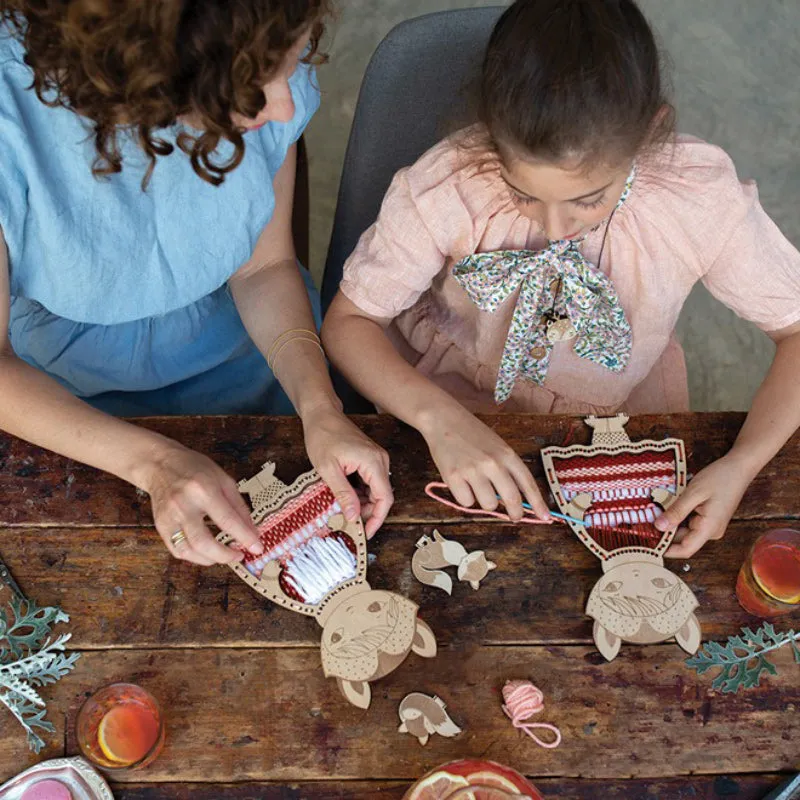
[312,334]
[315,342]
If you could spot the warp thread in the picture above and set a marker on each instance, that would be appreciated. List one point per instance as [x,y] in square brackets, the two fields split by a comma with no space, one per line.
[522,701]
[528,516]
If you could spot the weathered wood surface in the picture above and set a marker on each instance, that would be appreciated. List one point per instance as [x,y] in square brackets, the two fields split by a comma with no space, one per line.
[740,787]
[239,715]
[122,589]
[249,711]
[40,488]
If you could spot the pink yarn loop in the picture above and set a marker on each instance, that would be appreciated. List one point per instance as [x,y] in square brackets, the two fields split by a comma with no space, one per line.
[522,701]
[528,516]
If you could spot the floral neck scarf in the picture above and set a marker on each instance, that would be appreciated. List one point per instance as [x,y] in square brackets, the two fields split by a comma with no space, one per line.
[556,284]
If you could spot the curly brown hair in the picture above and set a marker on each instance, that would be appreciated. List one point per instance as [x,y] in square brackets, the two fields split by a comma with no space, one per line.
[142,65]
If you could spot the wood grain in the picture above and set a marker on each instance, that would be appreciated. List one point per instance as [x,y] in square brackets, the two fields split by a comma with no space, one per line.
[248,709]
[270,715]
[41,488]
[743,787]
[122,589]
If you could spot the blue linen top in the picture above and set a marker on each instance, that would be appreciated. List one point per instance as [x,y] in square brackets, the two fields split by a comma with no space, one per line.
[119,293]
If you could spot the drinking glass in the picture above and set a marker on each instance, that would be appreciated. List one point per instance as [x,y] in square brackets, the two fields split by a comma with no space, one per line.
[769,580]
[120,727]
[478,792]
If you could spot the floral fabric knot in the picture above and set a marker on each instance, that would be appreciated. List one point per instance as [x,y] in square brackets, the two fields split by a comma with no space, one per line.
[557,282]
[557,279]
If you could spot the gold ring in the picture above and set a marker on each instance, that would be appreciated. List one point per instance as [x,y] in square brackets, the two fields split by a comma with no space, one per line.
[177,538]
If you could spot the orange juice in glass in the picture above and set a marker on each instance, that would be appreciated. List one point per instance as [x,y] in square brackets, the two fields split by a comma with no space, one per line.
[120,727]
[769,580]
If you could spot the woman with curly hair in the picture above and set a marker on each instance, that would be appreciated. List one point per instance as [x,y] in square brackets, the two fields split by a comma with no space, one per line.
[147,162]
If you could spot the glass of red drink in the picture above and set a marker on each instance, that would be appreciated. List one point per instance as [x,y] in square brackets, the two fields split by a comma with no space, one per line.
[120,727]
[485,793]
[472,779]
[769,580]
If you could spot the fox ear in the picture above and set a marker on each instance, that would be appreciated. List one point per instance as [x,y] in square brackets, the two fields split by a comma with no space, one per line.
[424,643]
[689,636]
[357,692]
[607,643]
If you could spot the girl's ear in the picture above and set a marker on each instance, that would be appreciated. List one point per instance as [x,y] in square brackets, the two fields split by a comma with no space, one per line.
[662,124]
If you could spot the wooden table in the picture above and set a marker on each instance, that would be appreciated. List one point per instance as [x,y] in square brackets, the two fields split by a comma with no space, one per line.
[249,713]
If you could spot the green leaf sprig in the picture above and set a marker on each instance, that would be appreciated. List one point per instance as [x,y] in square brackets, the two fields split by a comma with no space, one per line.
[743,659]
[28,660]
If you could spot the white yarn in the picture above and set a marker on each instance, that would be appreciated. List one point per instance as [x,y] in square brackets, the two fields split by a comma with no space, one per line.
[318,567]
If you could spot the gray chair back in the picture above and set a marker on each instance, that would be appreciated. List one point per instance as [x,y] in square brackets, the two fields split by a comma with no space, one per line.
[413,92]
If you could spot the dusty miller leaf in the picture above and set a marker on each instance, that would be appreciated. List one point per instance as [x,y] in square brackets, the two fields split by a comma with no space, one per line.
[30,717]
[742,660]
[47,666]
[28,630]
[29,659]
[18,686]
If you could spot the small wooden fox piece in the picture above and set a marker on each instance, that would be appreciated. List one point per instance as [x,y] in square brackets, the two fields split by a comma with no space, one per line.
[433,554]
[422,716]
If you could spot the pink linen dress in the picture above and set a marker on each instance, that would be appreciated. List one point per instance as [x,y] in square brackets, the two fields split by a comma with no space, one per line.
[687,218]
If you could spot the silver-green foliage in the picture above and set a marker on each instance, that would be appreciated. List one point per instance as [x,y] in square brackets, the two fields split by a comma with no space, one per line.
[30,660]
[743,659]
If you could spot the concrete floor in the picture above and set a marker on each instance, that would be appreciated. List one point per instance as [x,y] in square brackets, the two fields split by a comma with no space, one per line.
[734,70]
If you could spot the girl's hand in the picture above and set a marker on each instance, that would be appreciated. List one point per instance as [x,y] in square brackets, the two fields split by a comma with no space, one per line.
[478,465]
[337,448]
[185,487]
[713,495]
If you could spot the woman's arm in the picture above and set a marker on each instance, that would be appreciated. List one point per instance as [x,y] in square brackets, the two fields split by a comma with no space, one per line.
[474,461]
[271,299]
[183,485]
[714,494]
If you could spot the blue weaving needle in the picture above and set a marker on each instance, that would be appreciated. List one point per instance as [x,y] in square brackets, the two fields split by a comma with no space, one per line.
[568,519]
[553,514]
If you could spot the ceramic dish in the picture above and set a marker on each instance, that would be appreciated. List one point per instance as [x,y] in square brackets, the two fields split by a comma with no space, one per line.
[82,780]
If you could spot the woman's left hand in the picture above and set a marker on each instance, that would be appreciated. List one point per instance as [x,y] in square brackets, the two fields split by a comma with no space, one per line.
[712,496]
[337,448]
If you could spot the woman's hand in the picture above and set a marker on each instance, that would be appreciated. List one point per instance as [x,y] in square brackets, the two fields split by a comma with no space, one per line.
[478,465]
[185,487]
[712,496]
[337,448]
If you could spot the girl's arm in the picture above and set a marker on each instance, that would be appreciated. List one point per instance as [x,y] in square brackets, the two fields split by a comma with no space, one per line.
[474,461]
[714,494]
[184,486]
[271,299]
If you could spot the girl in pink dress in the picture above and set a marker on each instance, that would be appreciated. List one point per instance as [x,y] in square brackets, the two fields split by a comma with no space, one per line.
[539,260]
